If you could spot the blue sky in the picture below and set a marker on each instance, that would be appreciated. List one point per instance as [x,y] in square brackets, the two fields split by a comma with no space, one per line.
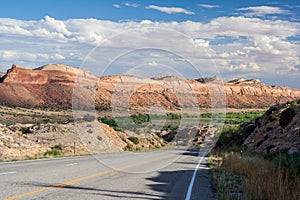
[250,39]
[137,10]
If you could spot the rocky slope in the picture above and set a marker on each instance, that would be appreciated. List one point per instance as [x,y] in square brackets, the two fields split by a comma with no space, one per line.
[20,141]
[55,85]
[277,129]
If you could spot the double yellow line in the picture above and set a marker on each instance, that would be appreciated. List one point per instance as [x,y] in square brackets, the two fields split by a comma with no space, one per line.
[75,181]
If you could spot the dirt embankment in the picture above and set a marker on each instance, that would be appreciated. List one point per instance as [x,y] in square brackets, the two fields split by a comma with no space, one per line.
[21,141]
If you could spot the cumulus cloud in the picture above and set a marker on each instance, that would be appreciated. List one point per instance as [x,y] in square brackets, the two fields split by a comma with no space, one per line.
[171,10]
[263,10]
[208,6]
[265,45]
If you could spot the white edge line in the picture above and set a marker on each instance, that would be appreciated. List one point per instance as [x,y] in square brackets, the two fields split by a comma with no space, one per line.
[6,173]
[190,189]
[71,164]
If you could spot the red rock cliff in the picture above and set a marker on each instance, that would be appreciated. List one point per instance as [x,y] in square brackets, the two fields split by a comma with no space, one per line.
[52,86]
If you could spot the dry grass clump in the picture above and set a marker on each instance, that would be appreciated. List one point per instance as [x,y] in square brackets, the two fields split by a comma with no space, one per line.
[252,177]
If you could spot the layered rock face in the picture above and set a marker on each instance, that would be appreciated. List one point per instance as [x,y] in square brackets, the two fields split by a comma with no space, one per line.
[57,85]
[48,74]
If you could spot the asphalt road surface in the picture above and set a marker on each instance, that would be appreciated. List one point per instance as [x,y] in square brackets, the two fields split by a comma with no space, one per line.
[165,174]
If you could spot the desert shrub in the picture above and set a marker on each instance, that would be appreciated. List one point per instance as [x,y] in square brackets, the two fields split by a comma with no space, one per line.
[90,131]
[26,130]
[128,148]
[58,146]
[110,122]
[47,120]
[294,103]
[140,118]
[89,118]
[138,149]
[99,138]
[173,116]
[53,152]
[286,117]
[134,139]
[226,135]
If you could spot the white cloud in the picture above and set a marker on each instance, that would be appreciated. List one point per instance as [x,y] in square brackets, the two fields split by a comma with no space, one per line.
[56,26]
[129,4]
[201,42]
[153,63]
[14,55]
[265,46]
[58,57]
[171,10]
[249,67]
[208,6]
[116,6]
[263,10]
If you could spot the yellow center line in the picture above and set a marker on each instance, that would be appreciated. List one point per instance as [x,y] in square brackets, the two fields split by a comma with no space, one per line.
[75,181]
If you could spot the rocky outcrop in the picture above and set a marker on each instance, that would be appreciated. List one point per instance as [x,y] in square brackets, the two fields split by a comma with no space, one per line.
[277,129]
[48,74]
[57,85]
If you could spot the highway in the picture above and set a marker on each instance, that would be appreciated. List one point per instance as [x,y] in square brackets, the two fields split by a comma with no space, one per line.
[164,174]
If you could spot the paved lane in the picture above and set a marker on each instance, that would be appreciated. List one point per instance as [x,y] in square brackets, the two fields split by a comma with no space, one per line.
[164,174]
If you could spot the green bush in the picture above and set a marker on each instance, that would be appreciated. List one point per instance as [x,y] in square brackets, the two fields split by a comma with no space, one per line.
[286,117]
[294,103]
[53,152]
[110,122]
[227,135]
[47,120]
[140,118]
[134,139]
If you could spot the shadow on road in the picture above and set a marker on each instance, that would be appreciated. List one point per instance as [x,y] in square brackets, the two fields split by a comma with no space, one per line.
[169,183]
[105,192]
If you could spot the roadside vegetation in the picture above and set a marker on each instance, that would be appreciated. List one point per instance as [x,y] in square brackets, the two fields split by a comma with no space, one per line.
[251,176]
[238,173]
[172,120]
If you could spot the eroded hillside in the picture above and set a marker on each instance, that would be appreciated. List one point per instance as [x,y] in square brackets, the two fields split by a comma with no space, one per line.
[54,86]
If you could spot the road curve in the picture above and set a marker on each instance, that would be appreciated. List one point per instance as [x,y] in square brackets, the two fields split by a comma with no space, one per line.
[165,174]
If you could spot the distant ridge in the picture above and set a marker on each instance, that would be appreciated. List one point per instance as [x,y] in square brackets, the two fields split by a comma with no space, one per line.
[51,86]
